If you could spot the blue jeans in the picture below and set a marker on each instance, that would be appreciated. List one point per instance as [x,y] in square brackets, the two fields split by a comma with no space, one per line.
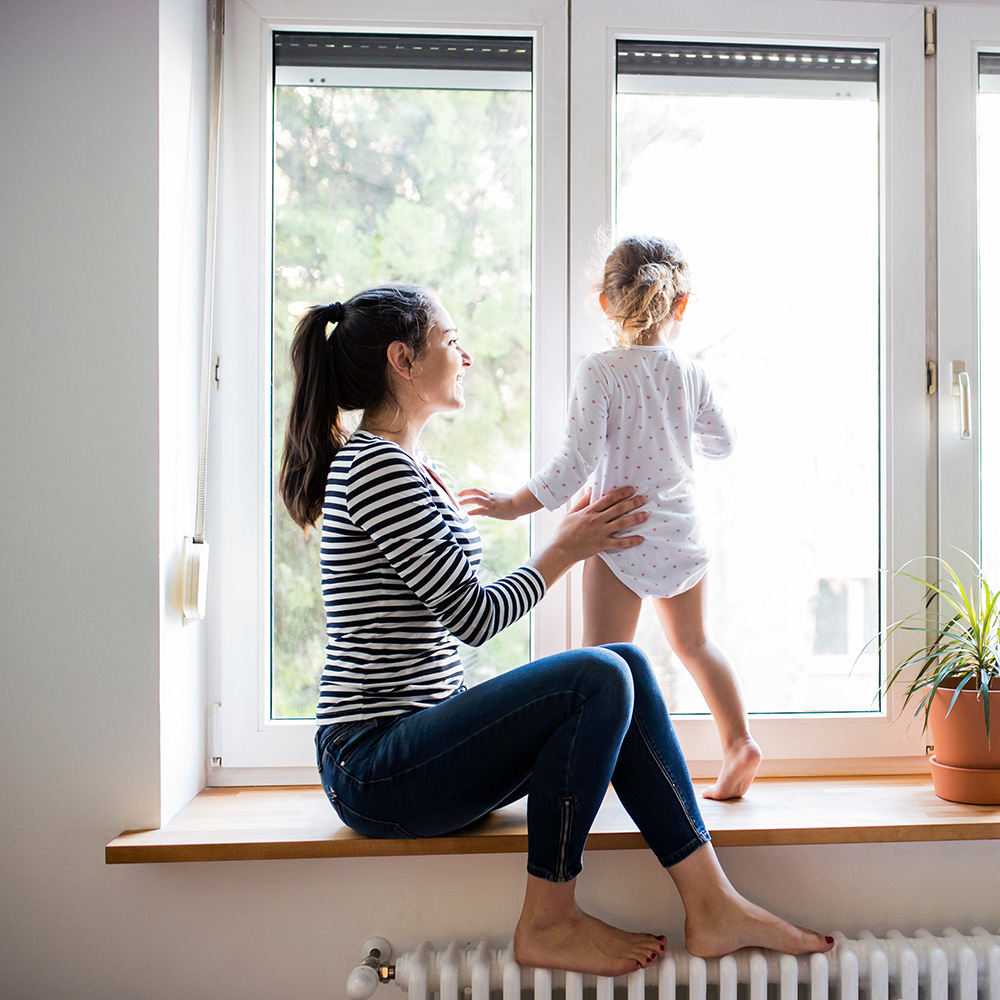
[558,730]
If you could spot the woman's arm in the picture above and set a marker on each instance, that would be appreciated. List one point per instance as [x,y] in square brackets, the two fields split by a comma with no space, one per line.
[391,502]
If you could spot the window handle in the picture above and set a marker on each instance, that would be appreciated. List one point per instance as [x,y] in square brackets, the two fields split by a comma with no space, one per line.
[961,386]
[965,391]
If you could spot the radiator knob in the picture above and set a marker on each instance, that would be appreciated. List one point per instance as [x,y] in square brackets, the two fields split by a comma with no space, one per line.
[364,980]
[362,983]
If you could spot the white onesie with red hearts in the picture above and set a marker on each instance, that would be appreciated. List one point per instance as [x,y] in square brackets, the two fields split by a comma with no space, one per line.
[636,417]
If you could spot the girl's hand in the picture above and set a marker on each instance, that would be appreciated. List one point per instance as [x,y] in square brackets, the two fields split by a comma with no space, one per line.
[488,503]
[505,506]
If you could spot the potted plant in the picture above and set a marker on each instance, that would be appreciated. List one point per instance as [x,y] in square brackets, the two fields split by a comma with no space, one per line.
[957,682]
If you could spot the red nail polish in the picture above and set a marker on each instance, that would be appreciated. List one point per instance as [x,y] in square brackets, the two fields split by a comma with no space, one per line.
[829,940]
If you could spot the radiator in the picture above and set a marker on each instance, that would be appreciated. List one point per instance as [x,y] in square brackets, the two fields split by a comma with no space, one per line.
[949,966]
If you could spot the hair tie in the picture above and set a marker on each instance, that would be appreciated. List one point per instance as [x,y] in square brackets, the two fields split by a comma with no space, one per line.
[334,312]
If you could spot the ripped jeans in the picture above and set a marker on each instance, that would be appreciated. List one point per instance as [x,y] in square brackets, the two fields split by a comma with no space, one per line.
[557,730]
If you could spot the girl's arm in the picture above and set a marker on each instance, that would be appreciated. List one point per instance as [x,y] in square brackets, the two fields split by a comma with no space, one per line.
[570,467]
[714,437]
[505,506]
[584,438]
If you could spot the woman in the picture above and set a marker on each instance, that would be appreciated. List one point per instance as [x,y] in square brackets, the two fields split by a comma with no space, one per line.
[404,749]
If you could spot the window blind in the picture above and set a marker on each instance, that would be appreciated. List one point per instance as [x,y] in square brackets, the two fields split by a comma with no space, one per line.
[989,63]
[434,52]
[989,72]
[640,58]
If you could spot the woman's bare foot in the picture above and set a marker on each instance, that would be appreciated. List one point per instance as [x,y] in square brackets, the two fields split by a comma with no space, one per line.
[554,933]
[739,766]
[719,920]
[741,924]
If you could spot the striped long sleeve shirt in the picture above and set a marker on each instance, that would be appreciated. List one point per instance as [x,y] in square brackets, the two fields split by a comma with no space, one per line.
[399,575]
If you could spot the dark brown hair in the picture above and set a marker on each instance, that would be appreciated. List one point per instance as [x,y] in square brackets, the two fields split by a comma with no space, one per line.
[346,371]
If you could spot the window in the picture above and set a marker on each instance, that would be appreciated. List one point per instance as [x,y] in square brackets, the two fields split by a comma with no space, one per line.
[348,155]
[823,369]
[968,355]
[988,108]
[879,373]
[762,162]
[387,149]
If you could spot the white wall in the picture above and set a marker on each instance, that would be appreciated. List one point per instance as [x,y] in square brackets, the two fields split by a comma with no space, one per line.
[183,180]
[86,573]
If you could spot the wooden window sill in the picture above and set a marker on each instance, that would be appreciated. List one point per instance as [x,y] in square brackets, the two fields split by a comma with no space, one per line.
[284,822]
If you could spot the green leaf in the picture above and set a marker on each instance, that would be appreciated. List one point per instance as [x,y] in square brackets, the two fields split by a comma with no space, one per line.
[962,649]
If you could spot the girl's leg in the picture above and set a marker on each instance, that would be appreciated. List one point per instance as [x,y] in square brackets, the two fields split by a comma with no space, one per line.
[651,779]
[610,609]
[682,621]
[552,729]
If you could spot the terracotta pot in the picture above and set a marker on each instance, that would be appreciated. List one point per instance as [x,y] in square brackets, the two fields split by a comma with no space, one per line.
[965,766]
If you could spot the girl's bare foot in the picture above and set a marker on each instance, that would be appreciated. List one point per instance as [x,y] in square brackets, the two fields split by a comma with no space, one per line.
[739,766]
[554,933]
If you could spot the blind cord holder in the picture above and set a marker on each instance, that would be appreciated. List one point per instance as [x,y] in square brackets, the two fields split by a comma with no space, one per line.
[195,552]
[195,579]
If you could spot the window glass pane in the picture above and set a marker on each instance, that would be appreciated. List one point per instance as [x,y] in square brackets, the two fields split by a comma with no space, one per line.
[762,163]
[989,305]
[423,178]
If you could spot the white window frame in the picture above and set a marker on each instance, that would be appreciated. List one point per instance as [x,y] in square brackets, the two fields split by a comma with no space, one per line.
[963,31]
[252,748]
[247,746]
[812,743]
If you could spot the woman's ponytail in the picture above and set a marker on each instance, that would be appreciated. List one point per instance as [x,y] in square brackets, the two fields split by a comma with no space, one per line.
[347,371]
[314,433]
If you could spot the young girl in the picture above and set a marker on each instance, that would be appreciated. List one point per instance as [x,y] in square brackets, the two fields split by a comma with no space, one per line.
[638,412]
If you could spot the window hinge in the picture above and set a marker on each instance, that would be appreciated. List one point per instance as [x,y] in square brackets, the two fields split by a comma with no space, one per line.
[215,736]
[215,371]
[931,378]
[930,15]
[219,15]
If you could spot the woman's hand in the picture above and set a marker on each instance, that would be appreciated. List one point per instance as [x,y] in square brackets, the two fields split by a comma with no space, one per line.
[590,528]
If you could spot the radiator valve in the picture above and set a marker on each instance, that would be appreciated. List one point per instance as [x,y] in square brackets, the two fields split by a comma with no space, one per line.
[374,969]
